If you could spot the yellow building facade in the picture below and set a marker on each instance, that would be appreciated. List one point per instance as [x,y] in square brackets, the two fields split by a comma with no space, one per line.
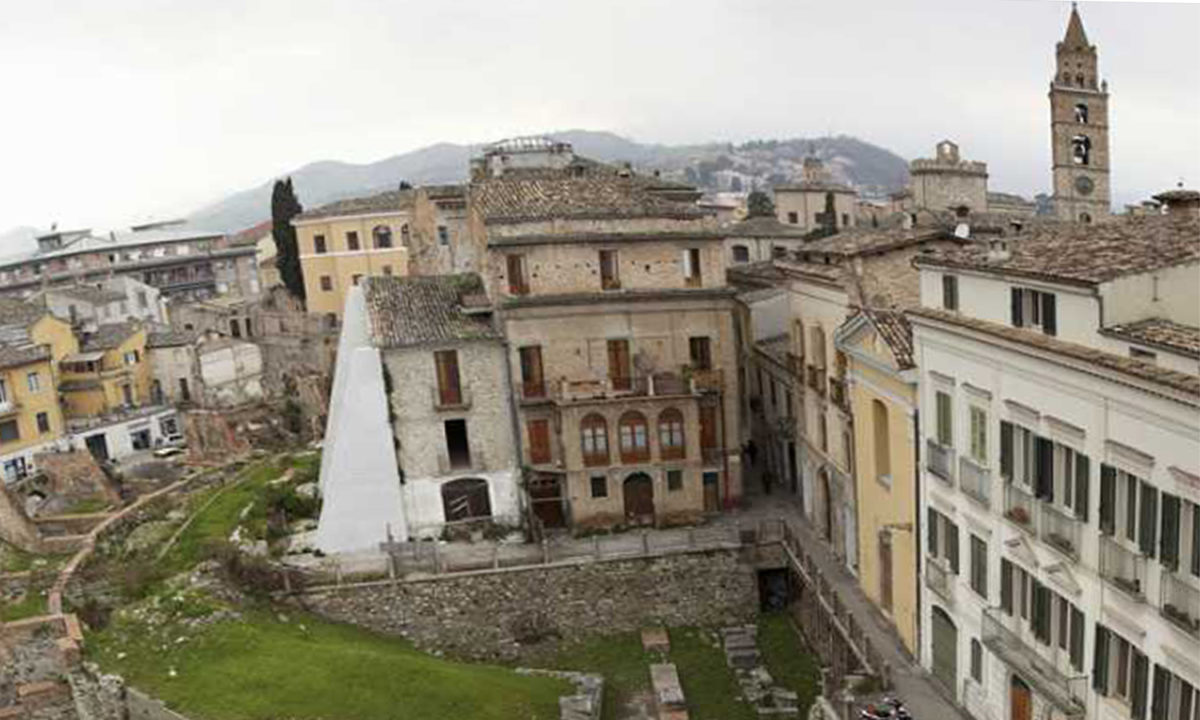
[883,401]
[30,415]
[342,243]
[110,372]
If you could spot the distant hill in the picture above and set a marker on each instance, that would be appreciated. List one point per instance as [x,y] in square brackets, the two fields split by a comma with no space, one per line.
[17,241]
[712,166]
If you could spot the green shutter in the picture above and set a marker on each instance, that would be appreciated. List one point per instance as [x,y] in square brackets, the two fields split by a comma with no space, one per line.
[1108,499]
[1083,468]
[945,421]
[1006,450]
[1196,540]
[952,546]
[1168,550]
[933,533]
[1141,678]
[1100,661]
[1077,624]
[1006,586]
[1147,530]
[1043,452]
[1162,692]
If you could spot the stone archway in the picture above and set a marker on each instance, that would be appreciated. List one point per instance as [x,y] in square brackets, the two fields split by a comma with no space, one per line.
[638,492]
[945,650]
[1020,700]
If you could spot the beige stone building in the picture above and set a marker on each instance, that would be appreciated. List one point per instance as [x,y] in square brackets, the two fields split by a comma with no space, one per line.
[804,203]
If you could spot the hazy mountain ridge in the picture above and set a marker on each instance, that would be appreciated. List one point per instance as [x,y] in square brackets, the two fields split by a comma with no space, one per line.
[713,166]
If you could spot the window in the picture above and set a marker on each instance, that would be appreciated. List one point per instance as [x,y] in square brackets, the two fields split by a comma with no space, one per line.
[599,486]
[1085,218]
[404,235]
[976,660]
[741,254]
[43,423]
[382,235]
[979,424]
[594,432]
[620,365]
[1116,667]
[1081,150]
[326,283]
[883,442]
[458,446]
[449,388]
[950,292]
[979,570]
[691,267]
[793,218]
[670,434]
[609,277]
[465,499]
[319,244]
[700,353]
[1053,620]
[34,381]
[1081,113]
[943,539]
[443,234]
[352,241]
[1034,309]
[945,418]
[635,446]
[1174,698]
[533,383]
[517,284]
[9,432]
[387,270]
[674,480]
[132,357]
[235,328]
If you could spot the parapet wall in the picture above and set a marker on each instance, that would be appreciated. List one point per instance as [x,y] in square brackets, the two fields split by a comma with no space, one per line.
[489,615]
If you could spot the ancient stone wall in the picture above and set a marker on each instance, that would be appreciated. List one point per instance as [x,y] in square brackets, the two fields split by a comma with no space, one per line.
[491,615]
[75,475]
[15,527]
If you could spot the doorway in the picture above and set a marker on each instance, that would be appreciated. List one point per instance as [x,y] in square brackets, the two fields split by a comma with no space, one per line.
[546,500]
[945,650]
[712,492]
[885,571]
[1021,700]
[97,445]
[639,499]
[458,448]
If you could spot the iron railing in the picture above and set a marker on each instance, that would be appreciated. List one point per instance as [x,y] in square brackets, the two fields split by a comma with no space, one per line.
[975,481]
[1010,640]
[1124,568]
[1180,603]
[1020,507]
[939,579]
[940,460]
[1060,529]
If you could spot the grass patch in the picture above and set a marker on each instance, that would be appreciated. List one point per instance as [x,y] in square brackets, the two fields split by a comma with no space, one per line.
[260,667]
[791,663]
[14,559]
[619,658]
[708,683]
[87,506]
[31,605]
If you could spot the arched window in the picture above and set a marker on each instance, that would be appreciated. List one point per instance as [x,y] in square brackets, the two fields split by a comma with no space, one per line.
[1081,150]
[635,440]
[383,236]
[670,434]
[594,430]
[1081,113]
[883,441]
[466,498]
[1085,218]
[404,235]
[741,254]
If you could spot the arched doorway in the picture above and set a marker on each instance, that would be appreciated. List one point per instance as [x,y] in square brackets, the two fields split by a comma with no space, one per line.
[945,650]
[466,499]
[1020,700]
[826,505]
[638,492]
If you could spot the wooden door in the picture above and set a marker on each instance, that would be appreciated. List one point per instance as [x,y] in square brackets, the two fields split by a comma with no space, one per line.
[539,441]
[533,382]
[620,369]
[545,497]
[639,498]
[712,492]
[885,570]
[449,390]
[708,432]
[945,650]
[1021,700]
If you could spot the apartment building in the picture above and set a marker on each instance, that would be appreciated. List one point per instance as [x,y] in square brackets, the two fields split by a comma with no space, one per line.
[610,290]
[30,418]
[183,263]
[117,299]
[808,202]
[759,239]
[1059,380]
[109,373]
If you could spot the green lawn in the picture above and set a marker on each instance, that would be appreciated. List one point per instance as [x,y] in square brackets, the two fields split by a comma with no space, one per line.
[789,661]
[262,667]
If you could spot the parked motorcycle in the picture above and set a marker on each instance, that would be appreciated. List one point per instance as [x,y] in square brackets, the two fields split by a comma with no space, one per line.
[890,708]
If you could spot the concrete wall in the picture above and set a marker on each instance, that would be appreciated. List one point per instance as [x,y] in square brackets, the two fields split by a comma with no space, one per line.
[486,615]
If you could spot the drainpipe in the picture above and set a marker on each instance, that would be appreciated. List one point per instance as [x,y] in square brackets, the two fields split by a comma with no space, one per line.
[917,523]
[518,443]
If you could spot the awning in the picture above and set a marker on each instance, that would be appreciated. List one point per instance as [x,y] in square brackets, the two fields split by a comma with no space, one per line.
[85,357]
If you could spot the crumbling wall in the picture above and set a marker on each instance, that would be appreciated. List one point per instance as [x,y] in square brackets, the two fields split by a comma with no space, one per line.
[15,527]
[211,438]
[75,475]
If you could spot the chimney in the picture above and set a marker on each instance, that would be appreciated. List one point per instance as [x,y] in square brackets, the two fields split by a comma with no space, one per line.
[998,250]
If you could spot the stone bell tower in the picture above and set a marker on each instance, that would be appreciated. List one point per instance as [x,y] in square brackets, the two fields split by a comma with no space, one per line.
[1079,129]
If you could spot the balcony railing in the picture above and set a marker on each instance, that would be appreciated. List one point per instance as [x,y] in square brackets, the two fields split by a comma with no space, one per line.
[664,384]
[1180,603]
[940,460]
[837,393]
[939,579]
[975,481]
[449,399]
[532,390]
[1060,529]
[1012,642]
[1020,507]
[1123,567]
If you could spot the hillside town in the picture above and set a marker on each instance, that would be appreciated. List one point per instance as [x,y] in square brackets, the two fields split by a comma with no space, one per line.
[581,439]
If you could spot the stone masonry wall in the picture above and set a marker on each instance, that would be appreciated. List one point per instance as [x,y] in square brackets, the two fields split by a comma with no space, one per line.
[490,615]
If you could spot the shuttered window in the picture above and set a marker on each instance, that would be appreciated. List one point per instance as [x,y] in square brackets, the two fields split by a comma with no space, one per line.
[945,419]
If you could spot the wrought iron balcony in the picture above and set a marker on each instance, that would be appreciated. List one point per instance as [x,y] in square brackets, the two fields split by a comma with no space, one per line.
[1020,507]
[975,481]
[1180,603]
[1124,568]
[1012,642]
[939,579]
[1060,529]
[940,460]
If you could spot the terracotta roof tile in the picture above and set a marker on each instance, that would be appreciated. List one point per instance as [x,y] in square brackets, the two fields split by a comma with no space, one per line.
[1160,332]
[894,328]
[108,337]
[408,311]
[526,198]
[390,201]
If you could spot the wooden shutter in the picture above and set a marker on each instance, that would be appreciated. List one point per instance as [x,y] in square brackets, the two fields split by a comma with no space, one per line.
[609,279]
[1017,320]
[531,371]
[1100,661]
[618,363]
[945,420]
[1077,625]
[1083,468]
[949,292]
[516,275]
[449,390]
[1043,453]
[932,539]
[1147,523]
[952,546]
[1006,586]
[1049,319]
[1006,450]
[1141,678]
[1162,692]
[1108,499]
[1196,540]
[1168,550]
[539,441]
[1041,612]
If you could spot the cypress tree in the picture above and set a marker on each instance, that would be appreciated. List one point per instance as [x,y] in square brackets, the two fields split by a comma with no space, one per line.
[284,207]
[758,204]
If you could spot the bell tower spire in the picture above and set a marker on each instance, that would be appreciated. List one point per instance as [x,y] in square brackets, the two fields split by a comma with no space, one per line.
[1079,128]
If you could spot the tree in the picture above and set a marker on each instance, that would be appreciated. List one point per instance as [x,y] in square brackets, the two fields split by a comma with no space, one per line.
[758,204]
[735,183]
[284,207]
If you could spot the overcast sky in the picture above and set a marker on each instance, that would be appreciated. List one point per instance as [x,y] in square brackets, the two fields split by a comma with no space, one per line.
[121,111]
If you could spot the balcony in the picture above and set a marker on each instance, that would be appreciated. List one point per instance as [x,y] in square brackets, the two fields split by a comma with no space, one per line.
[8,407]
[1060,530]
[1019,507]
[711,456]
[975,481]
[451,398]
[1124,568]
[837,393]
[939,579]
[1180,603]
[665,384]
[940,460]
[533,391]
[1014,644]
